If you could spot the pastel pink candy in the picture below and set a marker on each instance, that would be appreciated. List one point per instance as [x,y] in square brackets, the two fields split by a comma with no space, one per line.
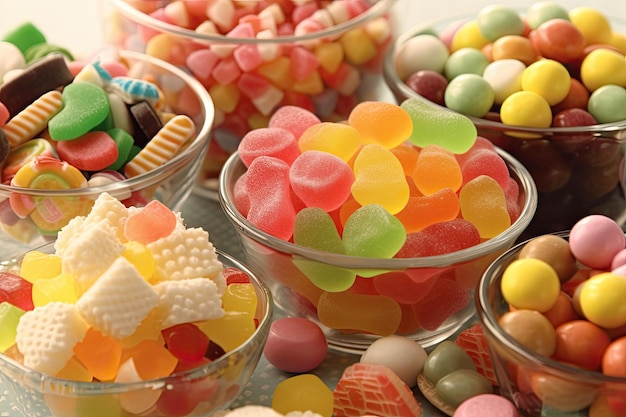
[269,192]
[321,179]
[269,141]
[294,119]
[240,195]
[486,405]
[485,162]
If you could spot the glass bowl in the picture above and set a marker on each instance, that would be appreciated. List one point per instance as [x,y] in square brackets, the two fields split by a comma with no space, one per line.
[280,261]
[171,183]
[195,392]
[341,61]
[539,385]
[577,170]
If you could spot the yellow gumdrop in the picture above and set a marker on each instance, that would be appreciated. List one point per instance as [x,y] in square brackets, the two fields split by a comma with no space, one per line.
[602,300]
[358,47]
[526,108]
[303,392]
[311,85]
[240,297]
[483,203]
[338,139]
[60,288]
[593,24]
[468,36]
[531,284]
[382,123]
[548,78]
[603,67]
[39,265]
[278,71]
[225,97]
[139,255]
[229,331]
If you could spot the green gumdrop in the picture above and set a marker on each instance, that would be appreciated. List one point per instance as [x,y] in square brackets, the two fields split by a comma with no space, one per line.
[9,317]
[372,232]
[446,358]
[461,385]
[25,36]
[124,142]
[435,125]
[315,229]
[85,106]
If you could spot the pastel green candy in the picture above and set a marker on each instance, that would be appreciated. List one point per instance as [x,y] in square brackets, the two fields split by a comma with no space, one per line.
[444,359]
[461,385]
[25,36]
[124,142]
[435,125]
[315,229]
[372,232]
[543,11]
[496,21]
[469,94]
[607,104]
[9,317]
[41,50]
[465,61]
[85,106]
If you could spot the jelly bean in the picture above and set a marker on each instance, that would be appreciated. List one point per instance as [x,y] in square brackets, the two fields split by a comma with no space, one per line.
[599,297]
[605,103]
[301,393]
[465,61]
[381,123]
[436,169]
[400,354]
[295,345]
[186,342]
[483,203]
[271,141]
[532,329]
[92,151]
[496,21]
[428,84]
[9,317]
[595,240]
[581,343]
[469,94]
[526,108]
[382,238]
[530,283]
[560,40]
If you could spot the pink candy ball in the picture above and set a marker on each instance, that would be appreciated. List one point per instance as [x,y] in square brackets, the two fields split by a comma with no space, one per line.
[595,240]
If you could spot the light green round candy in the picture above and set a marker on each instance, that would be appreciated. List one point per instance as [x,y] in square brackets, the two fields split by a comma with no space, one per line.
[372,232]
[444,359]
[496,21]
[461,385]
[543,11]
[435,125]
[465,61]
[469,94]
[607,104]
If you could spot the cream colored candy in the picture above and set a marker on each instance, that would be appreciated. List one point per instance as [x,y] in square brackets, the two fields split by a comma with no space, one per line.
[12,59]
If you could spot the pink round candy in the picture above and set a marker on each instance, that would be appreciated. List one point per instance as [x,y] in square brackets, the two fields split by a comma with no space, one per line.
[486,405]
[295,345]
[595,240]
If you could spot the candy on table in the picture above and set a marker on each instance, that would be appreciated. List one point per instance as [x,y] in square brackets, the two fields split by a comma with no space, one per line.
[400,354]
[301,393]
[555,60]
[473,341]
[486,405]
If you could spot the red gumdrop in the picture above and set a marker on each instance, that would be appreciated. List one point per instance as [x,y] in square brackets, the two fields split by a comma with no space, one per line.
[268,141]
[485,162]
[480,143]
[440,238]
[151,222]
[240,195]
[445,299]
[511,194]
[271,206]
[401,287]
[93,151]
[294,119]
[235,276]
[321,179]
[186,342]
[16,291]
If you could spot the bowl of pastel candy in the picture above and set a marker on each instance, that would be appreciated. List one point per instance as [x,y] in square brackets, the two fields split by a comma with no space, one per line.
[553,314]
[378,225]
[544,82]
[129,313]
[255,56]
[119,122]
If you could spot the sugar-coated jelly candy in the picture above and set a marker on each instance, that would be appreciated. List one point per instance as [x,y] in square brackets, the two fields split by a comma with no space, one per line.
[15,290]
[301,393]
[154,221]
[382,123]
[186,342]
[338,139]
[483,203]
[99,354]
[9,317]
[270,141]
[294,119]
[445,298]
[92,151]
[379,179]
[423,211]
[371,231]
[440,238]
[437,168]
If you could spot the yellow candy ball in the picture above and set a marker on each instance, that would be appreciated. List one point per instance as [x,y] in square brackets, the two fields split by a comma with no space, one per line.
[530,284]
[602,300]
[594,25]
[468,36]
[526,108]
[548,78]
[603,67]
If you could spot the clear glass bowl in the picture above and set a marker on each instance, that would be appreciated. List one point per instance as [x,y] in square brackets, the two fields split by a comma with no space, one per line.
[578,170]
[171,183]
[538,386]
[129,25]
[33,394]
[278,260]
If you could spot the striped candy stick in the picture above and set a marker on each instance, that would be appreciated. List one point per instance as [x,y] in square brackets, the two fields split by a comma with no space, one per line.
[33,119]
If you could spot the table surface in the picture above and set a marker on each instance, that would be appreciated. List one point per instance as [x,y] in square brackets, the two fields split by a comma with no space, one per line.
[76,24]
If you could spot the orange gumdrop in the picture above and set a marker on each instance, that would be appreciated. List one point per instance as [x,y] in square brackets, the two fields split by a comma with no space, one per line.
[152,360]
[100,354]
[407,154]
[345,211]
[421,212]
[150,223]
[437,168]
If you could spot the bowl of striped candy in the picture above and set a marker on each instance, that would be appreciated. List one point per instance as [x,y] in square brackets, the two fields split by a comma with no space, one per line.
[372,226]
[128,313]
[119,122]
[255,56]
[535,81]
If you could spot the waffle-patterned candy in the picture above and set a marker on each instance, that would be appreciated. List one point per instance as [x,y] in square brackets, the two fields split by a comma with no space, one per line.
[118,301]
[46,336]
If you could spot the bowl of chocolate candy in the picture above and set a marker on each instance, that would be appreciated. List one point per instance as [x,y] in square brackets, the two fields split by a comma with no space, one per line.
[129,313]
[546,83]
[379,225]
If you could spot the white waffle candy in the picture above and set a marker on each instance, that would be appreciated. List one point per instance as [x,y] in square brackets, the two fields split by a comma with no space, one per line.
[189,300]
[118,301]
[46,336]
[111,210]
[187,254]
[90,254]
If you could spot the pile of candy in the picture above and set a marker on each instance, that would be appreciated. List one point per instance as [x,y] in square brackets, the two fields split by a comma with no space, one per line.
[310,54]
[129,295]
[567,303]
[549,67]
[68,124]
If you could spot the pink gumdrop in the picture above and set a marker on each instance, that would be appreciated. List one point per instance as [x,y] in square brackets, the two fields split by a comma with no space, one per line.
[269,141]
[445,299]
[149,223]
[201,63]
[479,143]
[294,119]
[248,57]
[270,194]
[440,238]
[304,63]
[321,179]
[619,260]
[295,345]
[595,240]
[511,194]
[486,405]
[485,162]
[240,195]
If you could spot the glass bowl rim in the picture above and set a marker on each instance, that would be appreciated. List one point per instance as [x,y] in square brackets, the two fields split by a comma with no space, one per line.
[613,130]
[487,318]
[244,227]
[378,8]
[41,382]
[203,137]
